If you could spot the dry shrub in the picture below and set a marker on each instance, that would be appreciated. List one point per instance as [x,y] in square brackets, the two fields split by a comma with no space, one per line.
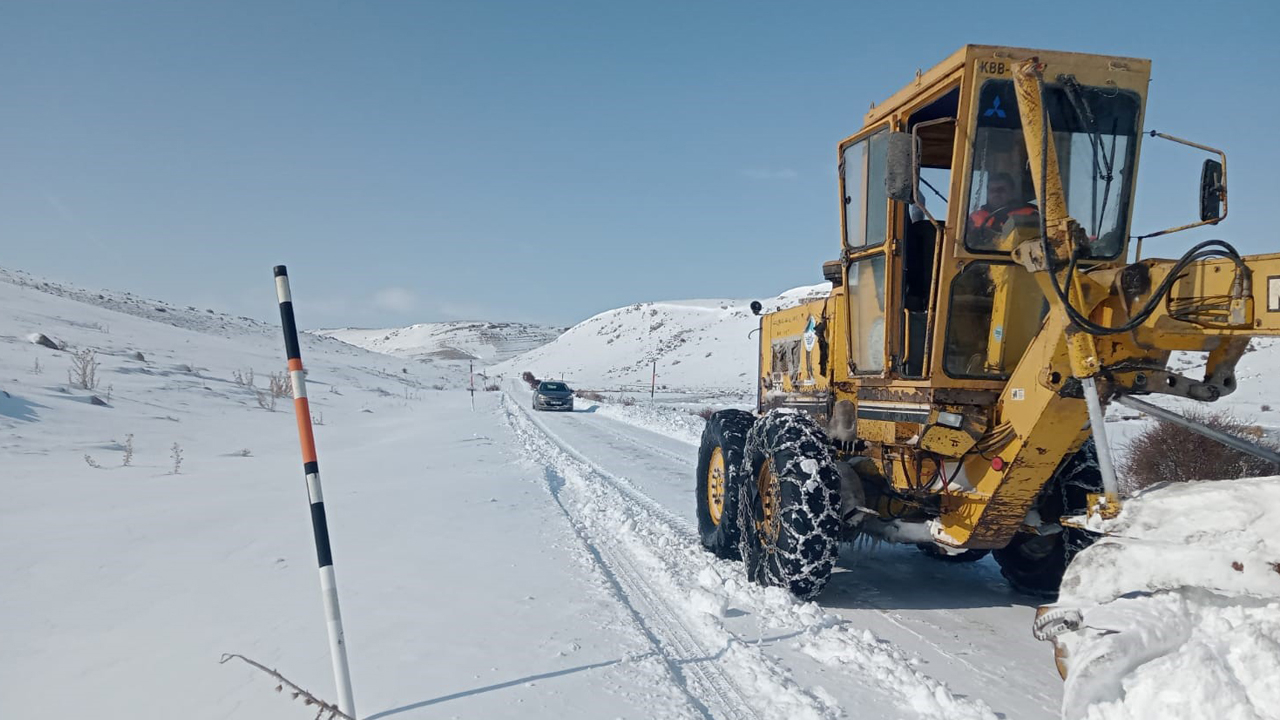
[706,413]
[627,401]
[1167,452]
[530,379]
[84,370]
[492,387]
[280,385]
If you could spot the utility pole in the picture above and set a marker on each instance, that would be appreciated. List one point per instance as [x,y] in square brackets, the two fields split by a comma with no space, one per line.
[472,365]
[654,384]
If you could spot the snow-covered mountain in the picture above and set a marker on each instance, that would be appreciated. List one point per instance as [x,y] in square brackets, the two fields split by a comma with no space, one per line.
[489,342]
[703,345]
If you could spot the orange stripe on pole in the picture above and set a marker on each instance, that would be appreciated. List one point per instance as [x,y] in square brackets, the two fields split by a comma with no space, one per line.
[295,364]
[305,436]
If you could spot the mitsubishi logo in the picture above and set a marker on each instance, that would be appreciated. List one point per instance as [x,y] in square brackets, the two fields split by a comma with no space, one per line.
[995,110]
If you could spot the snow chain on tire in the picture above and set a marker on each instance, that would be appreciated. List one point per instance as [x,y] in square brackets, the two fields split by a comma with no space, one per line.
[801,555]
[726,430]
[1035,564]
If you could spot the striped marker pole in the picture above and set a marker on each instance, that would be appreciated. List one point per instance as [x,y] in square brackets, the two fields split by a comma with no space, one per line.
[311,468]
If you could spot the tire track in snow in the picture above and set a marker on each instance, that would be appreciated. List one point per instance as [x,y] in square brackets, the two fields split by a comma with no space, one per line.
[831,641]
[684,460]
[657,609]
[622,484]
[620,583]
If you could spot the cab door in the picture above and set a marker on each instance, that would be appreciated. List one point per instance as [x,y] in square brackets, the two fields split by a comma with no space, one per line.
[865,216]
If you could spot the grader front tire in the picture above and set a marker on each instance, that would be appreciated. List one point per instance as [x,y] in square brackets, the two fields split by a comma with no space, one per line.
[789,505]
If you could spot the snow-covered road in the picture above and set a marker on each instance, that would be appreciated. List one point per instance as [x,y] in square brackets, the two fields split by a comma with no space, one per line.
[918,621]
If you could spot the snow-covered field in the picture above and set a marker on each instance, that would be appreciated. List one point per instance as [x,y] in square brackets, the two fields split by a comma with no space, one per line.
[493,562]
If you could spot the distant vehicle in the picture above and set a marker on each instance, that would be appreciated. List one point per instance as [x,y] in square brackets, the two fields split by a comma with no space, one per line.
[553,396]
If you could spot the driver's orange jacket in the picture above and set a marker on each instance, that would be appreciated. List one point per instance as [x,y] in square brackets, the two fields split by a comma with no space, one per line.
[983,218]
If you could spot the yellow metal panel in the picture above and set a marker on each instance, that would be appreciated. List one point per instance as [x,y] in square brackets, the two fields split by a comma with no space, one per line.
[946,441]
[879,431]
[1046,428]
[1015,317]
[791,343]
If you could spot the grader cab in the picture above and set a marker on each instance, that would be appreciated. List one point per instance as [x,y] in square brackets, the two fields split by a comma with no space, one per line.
[986,306]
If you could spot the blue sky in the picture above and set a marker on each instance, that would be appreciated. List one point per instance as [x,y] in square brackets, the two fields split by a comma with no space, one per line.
[418,161]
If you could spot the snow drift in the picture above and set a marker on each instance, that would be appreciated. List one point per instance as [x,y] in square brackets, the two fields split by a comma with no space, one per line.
[1178,607]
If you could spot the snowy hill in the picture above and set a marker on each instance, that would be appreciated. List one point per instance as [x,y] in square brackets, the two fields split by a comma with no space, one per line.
[490,342]
[699,345]
[93,319]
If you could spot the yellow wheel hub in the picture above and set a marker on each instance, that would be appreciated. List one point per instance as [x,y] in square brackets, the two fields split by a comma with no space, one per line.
[767,482]
[715,485]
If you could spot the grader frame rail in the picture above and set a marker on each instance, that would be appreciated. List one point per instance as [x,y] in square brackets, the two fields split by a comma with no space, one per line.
[949,390]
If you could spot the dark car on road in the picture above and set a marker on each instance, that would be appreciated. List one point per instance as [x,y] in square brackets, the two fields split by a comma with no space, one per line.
[552,395]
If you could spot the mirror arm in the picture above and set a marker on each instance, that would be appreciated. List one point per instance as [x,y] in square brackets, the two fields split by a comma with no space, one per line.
[1223,193]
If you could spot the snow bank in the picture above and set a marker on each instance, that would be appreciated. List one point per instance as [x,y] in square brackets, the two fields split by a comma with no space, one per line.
[672,422]
[1179,607]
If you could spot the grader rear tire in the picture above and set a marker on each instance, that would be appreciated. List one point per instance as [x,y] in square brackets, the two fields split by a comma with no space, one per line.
[789,507]
[1035,564]
[724,440]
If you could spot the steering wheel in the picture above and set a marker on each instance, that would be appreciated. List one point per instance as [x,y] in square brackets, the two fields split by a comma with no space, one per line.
[1004,209]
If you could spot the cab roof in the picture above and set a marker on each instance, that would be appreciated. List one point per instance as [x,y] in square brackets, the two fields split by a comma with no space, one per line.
[957,62]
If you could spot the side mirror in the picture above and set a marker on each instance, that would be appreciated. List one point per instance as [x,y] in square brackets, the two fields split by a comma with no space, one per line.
[756,307]
[1211,191]
[900,170]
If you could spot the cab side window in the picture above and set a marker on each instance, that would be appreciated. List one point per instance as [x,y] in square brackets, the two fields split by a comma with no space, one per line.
[862,168]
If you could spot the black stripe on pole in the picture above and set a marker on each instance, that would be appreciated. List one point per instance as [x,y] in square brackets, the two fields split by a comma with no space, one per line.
[321,528]
[291,349]
[311,468]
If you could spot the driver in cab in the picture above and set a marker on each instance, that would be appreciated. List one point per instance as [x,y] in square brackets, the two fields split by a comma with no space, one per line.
[987,222]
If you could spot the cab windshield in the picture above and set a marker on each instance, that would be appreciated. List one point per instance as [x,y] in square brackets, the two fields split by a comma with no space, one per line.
[1094,133]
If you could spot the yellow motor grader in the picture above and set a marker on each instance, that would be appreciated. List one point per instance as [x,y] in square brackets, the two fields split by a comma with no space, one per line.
[987,305]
